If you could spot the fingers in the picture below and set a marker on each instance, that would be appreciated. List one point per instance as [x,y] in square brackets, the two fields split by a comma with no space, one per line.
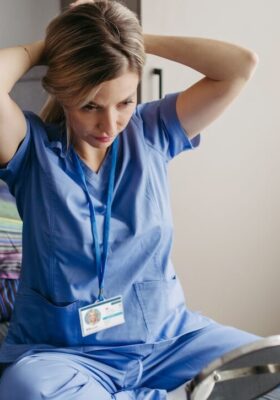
[78,2]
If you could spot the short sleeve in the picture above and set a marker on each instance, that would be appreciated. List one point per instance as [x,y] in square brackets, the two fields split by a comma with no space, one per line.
[15,168]
[162,128]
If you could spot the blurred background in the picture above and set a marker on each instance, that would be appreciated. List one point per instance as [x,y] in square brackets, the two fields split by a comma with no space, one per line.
[225,194]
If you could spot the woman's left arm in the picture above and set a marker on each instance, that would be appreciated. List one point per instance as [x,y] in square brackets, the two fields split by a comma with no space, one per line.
[227,68]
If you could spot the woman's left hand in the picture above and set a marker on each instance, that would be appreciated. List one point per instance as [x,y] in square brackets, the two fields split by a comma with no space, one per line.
[78,2]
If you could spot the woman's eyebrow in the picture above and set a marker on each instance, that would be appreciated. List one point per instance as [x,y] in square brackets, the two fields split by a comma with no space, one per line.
[93,103]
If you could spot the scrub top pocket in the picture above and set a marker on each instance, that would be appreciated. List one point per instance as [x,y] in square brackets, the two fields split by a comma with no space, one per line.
[40,321]
[160,301]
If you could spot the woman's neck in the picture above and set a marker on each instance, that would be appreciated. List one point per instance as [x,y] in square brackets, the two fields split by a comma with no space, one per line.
[92,156]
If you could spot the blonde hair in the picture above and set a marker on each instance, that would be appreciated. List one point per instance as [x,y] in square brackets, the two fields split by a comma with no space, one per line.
[85,46]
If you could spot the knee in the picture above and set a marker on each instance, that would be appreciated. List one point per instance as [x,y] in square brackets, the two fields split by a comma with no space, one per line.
[19,382]
[46,377]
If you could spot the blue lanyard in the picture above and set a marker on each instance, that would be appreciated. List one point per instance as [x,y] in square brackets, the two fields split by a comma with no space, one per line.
[100,259]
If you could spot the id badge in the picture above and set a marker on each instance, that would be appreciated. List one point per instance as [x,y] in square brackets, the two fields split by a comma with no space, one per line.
[101,315]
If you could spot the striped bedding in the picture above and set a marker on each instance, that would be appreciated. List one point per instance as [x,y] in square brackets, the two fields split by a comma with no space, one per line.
[3,330]
[10,245]
[10,254]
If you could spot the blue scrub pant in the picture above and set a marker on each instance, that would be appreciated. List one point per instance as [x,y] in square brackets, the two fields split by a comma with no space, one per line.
[132,372]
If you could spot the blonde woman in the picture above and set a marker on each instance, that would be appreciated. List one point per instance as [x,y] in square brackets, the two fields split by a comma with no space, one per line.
[89,176]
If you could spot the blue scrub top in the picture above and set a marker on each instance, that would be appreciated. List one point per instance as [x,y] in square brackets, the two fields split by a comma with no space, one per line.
[58,273]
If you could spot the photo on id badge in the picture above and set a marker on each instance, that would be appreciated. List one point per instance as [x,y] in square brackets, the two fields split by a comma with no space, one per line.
[101,315]
[92,316]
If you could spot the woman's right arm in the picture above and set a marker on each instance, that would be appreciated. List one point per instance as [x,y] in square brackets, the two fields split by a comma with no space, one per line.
[14,63]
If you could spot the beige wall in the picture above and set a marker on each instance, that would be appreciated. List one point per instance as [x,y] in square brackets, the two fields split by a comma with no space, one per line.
[226,194]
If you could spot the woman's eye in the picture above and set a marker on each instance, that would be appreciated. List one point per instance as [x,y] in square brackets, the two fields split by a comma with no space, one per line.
[126,103]
[93,107]
[89,107]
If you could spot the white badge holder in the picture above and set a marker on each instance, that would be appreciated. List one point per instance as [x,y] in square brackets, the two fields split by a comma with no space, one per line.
[101,315]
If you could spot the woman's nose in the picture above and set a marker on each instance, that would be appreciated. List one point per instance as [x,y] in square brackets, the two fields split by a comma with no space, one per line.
[108,123]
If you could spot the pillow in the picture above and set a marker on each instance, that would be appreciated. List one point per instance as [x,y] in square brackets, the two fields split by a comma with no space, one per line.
[10,251]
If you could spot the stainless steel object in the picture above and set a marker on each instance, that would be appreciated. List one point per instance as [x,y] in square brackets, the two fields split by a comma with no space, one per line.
[242,374]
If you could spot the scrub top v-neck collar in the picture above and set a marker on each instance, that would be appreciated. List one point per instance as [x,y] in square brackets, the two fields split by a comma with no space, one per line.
[96,176]
[58,142]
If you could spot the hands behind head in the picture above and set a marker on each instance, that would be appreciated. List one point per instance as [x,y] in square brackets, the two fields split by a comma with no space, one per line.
[78,2]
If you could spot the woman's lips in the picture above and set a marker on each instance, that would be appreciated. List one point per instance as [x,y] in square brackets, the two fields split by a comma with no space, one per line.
[104,139]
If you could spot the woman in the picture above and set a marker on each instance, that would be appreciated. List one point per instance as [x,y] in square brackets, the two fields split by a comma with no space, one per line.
[90,181]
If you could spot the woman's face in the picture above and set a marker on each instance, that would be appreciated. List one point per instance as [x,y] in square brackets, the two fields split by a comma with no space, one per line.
[106,113]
